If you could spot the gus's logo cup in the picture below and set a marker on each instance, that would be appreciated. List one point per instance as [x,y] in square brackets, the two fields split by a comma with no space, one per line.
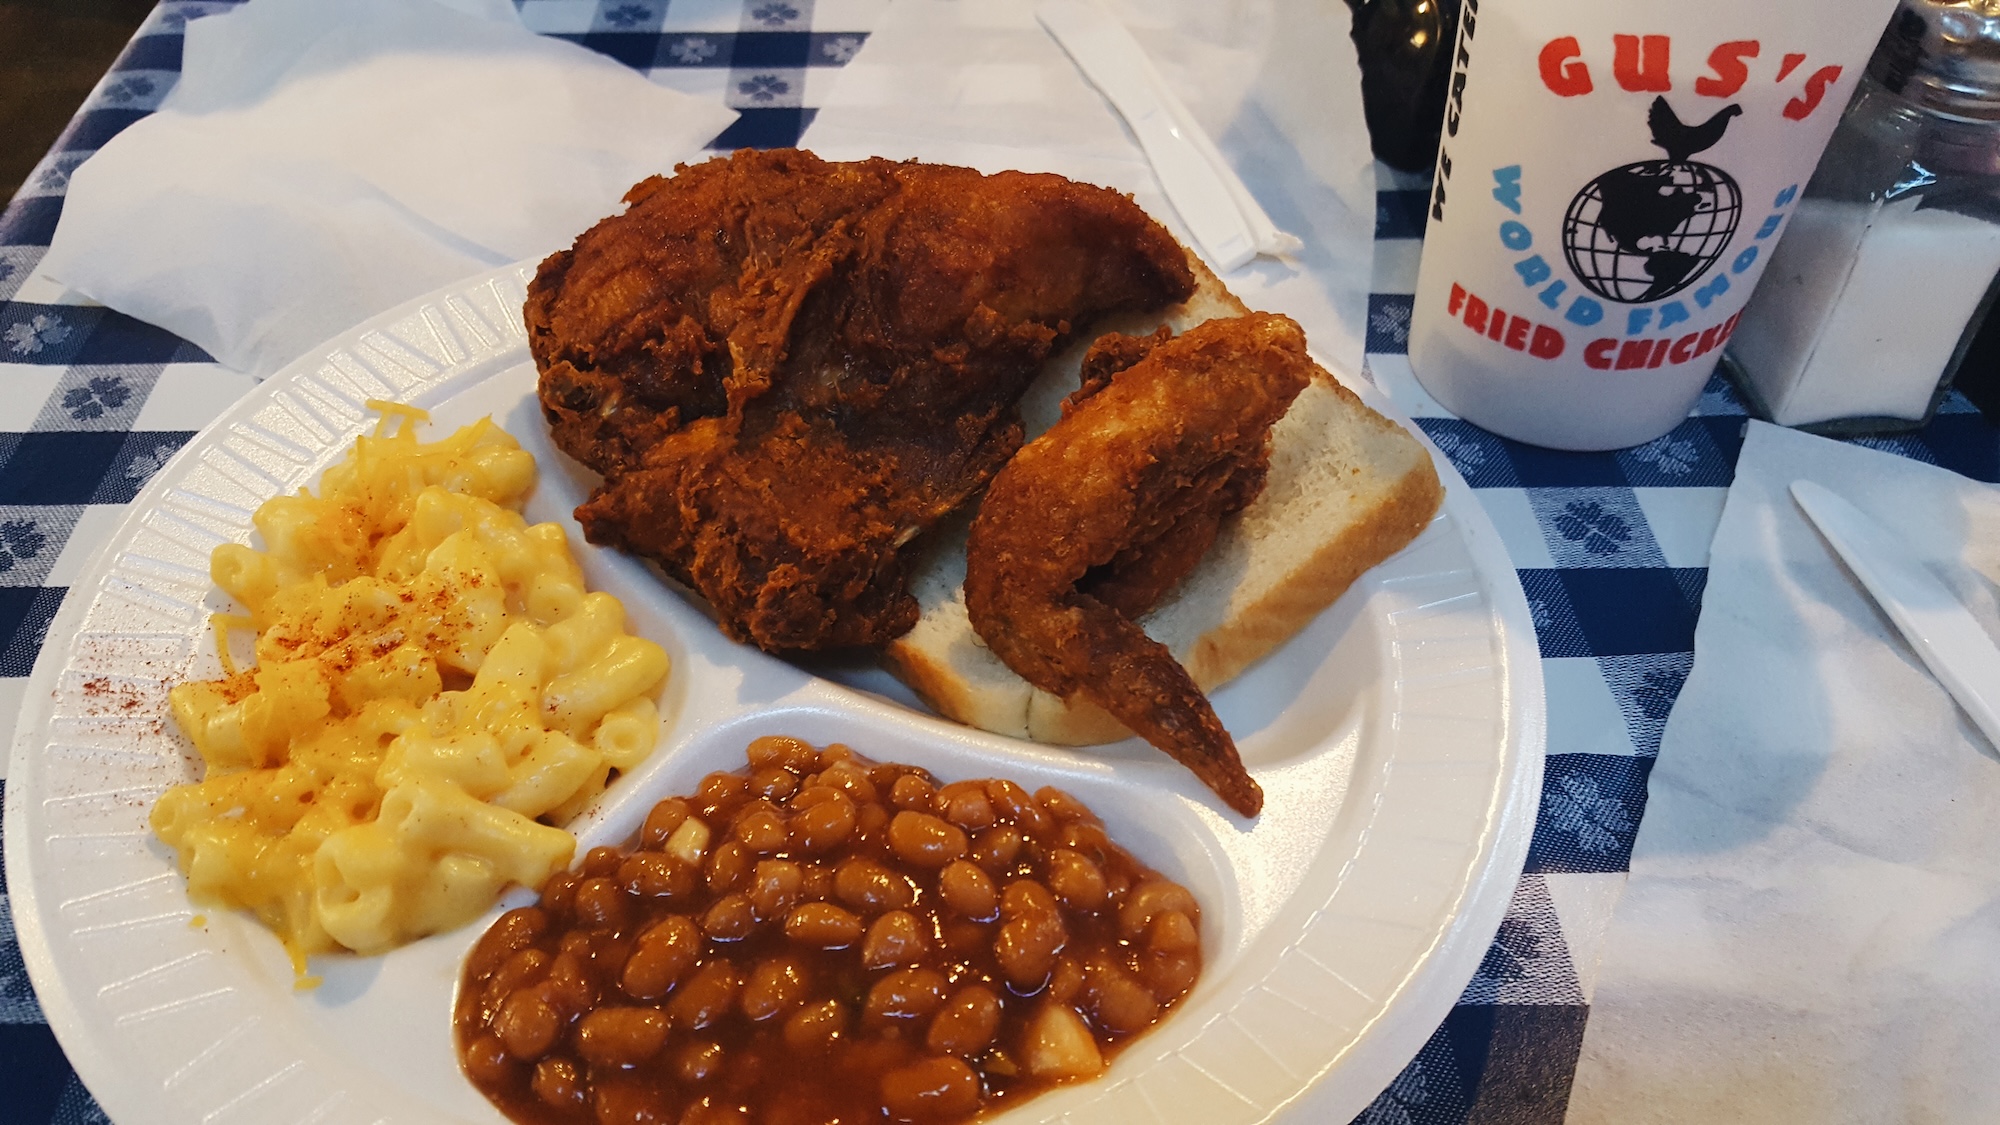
[1613,177]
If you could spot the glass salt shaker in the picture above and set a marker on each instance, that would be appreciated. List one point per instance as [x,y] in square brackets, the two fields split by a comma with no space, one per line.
[1888,267]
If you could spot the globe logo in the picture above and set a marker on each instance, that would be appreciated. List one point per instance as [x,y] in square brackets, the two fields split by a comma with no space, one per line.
[1648,230]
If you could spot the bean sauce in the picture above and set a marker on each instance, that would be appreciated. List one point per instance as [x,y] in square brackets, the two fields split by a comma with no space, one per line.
[820,938]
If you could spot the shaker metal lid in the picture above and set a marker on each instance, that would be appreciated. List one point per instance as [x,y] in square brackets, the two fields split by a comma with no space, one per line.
[1943,55]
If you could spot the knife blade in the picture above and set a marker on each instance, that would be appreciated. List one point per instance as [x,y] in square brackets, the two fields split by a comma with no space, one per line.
[1937,625]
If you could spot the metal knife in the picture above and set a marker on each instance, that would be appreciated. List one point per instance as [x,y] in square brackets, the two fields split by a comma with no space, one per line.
[1953,646]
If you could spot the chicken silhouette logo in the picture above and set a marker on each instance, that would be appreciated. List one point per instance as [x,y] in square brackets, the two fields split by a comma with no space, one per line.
[1651,229]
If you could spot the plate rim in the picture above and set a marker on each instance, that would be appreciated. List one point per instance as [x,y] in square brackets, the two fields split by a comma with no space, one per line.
[1367,1063]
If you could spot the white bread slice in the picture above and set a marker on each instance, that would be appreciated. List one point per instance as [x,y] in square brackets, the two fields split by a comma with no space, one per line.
[1347,488]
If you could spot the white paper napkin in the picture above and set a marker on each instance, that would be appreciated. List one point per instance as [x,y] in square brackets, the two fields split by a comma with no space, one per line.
[1274,82]
[319,162]
[1811,932]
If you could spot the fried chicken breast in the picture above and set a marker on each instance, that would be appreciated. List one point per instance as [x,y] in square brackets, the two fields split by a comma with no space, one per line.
[787,370]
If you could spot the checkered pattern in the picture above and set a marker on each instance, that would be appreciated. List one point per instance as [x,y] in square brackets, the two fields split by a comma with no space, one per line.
[1612,548]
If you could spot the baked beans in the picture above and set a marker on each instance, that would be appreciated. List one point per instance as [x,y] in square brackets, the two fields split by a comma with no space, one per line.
[819,937]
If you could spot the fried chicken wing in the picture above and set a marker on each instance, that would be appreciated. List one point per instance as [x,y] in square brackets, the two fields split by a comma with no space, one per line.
[1094,521]
[788,369]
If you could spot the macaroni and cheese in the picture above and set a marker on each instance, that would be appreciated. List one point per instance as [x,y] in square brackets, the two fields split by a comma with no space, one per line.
[433,689]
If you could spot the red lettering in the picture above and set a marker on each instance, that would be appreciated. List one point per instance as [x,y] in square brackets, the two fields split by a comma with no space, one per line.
[1634,354]
[1598,353]
[1728,328]
[1517,333]
[1640,64]
[1659,354]
[1707,341]
[1800,108]
[1790,64]
[1563,69]
[1683,349]
[1497,327]
[1547,343]
[1730,72]
[1457,301]
[1475,313]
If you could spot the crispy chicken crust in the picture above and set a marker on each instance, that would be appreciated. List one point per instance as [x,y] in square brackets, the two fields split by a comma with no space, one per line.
[1095,521]
[787,370]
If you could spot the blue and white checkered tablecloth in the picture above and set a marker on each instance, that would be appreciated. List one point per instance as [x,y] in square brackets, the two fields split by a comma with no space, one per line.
[1611,548]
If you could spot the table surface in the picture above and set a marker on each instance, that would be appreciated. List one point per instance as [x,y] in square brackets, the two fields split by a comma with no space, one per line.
[1611,548]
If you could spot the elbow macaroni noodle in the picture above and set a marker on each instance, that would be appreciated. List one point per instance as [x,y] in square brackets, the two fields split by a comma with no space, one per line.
[433,689]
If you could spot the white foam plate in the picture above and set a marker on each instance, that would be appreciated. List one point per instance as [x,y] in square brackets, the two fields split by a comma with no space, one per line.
[1398,739]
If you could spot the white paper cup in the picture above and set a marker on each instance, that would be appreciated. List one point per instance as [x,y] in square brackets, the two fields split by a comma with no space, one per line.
[1613,177]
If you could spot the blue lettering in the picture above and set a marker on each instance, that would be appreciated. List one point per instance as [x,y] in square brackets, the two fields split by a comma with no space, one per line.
[1514,236]
[1553,294]
[1533,270]
[1706,295]
[1744,260]
[1672,313]
[1786,196]
[1584,311]
[1637,320]
[1770,226]
[1507,187]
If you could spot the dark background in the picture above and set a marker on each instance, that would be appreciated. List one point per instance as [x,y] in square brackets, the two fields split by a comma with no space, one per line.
[51,53]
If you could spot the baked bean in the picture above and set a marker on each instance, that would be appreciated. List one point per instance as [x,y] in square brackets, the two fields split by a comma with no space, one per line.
[720,792]
[776,986]
[774,783]
[568,986]
[931,1090]
[1026,948]
[510,934]
[486,1061]
[1150,899]
[728,866]
[600,861]
[558,893]
[664,955]
[820,937]
[732,918]
[965,804]
[969,890]
[706,996]
[824,824]
[1063,807]
[760,829]
[699,1061]
[559,1084]
[1076,882]
[1118,1003]
[822,924]
[996,848]
[925,841]
[621,1036]
[656,875]
[911,792]
[895,938]
[792,754]
[967,1022]
[627,1099]
[774,887]
[528,1025]
[523,968]
[815,1026]
[871,888]
[1018,807]
[906,994]
[661,822]
[601,904]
